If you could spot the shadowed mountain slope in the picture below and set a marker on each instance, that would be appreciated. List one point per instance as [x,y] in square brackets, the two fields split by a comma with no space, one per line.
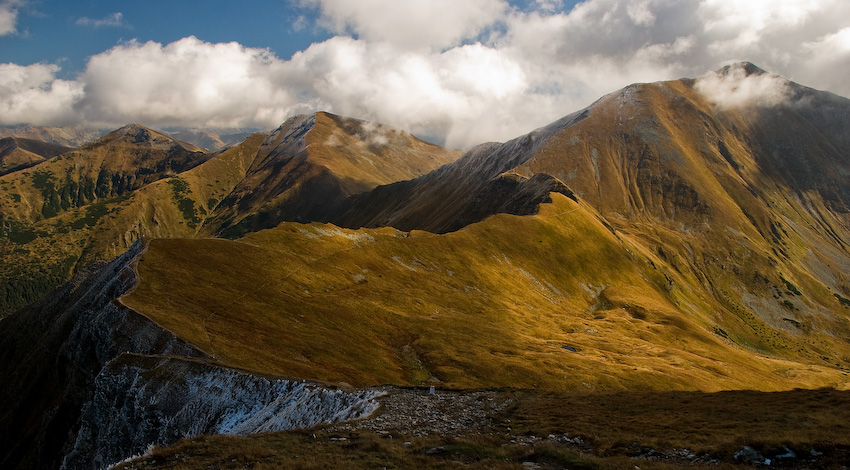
[309,166]
[51,353]
[479,184]
[18,153]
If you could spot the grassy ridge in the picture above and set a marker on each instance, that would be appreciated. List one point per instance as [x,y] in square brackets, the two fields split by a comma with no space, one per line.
[554,301]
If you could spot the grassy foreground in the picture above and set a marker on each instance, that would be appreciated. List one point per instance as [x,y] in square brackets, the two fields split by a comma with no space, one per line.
[615,431]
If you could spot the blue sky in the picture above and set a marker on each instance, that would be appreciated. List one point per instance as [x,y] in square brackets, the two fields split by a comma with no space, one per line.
[456,72]
[66,32]
[69,32]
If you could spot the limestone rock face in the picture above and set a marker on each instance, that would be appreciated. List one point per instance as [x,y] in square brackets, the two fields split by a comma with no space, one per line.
[76,331]
[142,400]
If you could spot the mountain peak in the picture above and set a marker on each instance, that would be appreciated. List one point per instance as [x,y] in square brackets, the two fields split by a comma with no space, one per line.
[743,67]
[298,121]
[139,134]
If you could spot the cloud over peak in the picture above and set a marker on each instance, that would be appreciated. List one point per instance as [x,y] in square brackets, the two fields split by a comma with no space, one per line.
[741,84]
[187,81]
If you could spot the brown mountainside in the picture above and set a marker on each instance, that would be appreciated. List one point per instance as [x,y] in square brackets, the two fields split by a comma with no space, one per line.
[744,208]
[749,203]
[17,153]
[736,214]
[661,239]
[93,202]
[309,166]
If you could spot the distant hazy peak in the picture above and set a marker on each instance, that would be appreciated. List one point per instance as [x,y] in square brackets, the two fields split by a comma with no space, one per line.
[64,136]
[139,134]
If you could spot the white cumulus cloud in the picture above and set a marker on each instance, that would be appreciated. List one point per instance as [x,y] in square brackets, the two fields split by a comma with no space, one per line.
[9,16]
[185,82]
[448,94]
[458,72]
[735,88]
[33,94]
[827,62]
[411,23]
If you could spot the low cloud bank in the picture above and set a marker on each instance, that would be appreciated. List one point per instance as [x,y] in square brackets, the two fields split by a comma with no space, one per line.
[461,73]
[734,87]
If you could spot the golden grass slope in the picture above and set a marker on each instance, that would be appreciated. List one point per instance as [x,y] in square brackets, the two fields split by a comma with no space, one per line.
[553,301]
[743,211]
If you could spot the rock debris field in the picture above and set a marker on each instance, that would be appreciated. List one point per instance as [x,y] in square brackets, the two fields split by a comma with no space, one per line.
[417,412]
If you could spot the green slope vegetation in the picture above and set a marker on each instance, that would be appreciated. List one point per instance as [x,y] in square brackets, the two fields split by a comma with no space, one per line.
[555,301]
[52,226]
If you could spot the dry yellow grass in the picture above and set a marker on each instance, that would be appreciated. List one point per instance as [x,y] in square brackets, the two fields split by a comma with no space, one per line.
[554,301]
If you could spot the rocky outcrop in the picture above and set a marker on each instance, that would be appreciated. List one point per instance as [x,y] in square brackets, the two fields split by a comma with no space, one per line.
[143,400]
[419,412]
[51,352]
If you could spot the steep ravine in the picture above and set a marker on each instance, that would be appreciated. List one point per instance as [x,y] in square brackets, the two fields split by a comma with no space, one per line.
[89,382]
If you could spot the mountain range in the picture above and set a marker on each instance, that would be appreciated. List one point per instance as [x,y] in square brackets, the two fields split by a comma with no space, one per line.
[659,239]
